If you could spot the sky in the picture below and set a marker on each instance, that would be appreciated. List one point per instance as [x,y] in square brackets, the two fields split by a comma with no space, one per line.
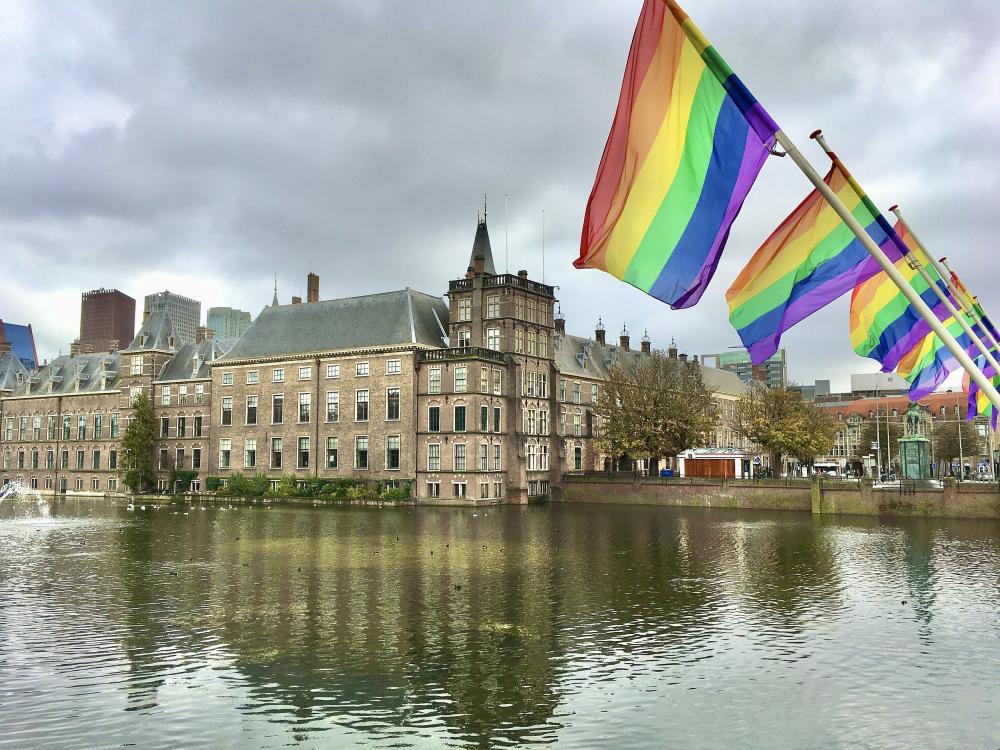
[203,147]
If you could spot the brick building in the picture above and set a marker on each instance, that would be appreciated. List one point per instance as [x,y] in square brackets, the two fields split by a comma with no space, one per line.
[107,321]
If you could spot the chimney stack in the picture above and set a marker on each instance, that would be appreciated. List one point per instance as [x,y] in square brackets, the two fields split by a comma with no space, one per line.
[478,265]
[5,346]
[646,343]
[560,324]
[599,333]
[296,300]
[684,358]
[623,339]
[672,351]
[203,333]
[312,288]
[522,274]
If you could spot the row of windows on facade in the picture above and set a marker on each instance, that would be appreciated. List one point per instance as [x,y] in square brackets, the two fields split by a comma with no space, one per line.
[532,343]
[33,459]
[78,484]
[303,455]
[942,411]
[361,370]
[167,394]
[361,407]
[460,489]
[34,428]
[531,310]
[460,379]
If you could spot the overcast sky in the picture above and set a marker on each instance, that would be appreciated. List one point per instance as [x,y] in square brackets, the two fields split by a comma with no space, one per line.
[203,146]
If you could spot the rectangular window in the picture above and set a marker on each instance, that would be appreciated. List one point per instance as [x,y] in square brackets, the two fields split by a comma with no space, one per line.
[179,459]
[532,457]
[434,419]
[392,367]
[562,389]
[253,377]
[113,459]
[305,373]
[51,428]
[434,380]
[227,410]
[531,343]
[98,427]
[576,393]
[331,452]
[196,458]
[227,378]
[181,426]
[392,453]
[543,457]
[484,379]
[225,450]
[67,427]
[36,428]
[484,457]
[543,385]
[543,344]
[249,453]
[594,394]
[81,427]
[543,421]
[518,341]
[251,409]
[333,371]
[199,393]
[493,339]
[497,377]
[519,307]
[578,458]
[361,369]
[305,406]
[392,404]
[50,460]
[34,458]
[278,375]
[64,459]
[459,464]
[531,421]
[182,394]
[137,365]
[459,419]
[464,339]
[333,406]
[164,427]
[434,457]
[458,489]
[361,405]
[496,419]
[277,408]
[484,418]
[465,309]
[276,443]
[303,453]
[493,306]
[496,460]
[361,452]
[577,430]
[433,489]
[197,426]
[461,378]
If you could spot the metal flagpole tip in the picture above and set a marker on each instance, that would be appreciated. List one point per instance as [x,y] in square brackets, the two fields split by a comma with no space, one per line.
[893,207]
[815,134]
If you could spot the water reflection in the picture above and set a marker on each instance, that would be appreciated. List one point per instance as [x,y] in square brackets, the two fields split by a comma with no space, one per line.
[512,626]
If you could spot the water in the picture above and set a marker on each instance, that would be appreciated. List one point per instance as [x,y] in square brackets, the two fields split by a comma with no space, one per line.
[578,626]
[18,500]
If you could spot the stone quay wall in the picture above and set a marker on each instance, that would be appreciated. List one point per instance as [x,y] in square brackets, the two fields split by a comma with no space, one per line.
[953,500]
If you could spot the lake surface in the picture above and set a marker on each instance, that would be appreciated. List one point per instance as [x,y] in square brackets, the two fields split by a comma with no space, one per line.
[596,626]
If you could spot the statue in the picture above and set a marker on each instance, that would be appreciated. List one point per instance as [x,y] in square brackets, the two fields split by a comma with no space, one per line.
[914,451]
[914,421]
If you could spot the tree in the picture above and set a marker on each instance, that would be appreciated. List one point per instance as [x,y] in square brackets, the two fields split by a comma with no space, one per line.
[782,423]
[139,446]
[947,449]
[887,436]
[654,407]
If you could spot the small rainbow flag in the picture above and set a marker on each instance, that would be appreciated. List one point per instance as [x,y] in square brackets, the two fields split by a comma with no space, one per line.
[979,403]
[687,142]
[884,326]
[929,363]
[809,261]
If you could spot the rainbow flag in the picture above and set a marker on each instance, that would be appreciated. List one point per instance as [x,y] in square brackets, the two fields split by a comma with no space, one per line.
[884,326]
[979,403]
[809,261]
[687,142]
[929,363]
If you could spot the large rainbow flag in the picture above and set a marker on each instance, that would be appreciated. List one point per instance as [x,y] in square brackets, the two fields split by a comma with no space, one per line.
[884,326]
[811,259]
[929,363]
[979,403]
[687,142]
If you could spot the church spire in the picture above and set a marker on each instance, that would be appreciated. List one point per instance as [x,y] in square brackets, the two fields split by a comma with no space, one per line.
[274,302]
[481,245]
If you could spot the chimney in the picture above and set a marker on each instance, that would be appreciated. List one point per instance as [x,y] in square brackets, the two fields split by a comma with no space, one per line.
[478,265]
[522,274]
[684,358]
[599,333]
[560,324]
[312,288]
[623,339]
[203,333]
[113,345]
[470,272]
[296,300]
[646,343]
[74,348]
[694,361]
[4,347]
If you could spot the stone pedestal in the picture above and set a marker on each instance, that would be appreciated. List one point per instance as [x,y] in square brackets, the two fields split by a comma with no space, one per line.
[914,457]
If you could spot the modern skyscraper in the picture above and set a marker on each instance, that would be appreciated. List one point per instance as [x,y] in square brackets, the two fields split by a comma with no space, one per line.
[773,372]
[228,322]
[20,340]
[183,311]
[107,316]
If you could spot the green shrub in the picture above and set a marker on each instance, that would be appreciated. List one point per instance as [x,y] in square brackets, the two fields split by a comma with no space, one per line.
[240,485]
[213,484]
[184,479]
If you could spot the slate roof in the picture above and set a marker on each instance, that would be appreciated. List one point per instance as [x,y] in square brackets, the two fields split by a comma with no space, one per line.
[571,352]
[10,367]
[157,332]
[80,373]
[385,319]
[481,246]
[181,366]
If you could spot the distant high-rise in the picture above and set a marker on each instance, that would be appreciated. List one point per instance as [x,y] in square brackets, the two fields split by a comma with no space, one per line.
[773,372]
[107,316]
[228,322]
[183,311]
[19,339]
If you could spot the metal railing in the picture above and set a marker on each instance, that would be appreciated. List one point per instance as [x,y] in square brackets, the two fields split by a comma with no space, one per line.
[462,353]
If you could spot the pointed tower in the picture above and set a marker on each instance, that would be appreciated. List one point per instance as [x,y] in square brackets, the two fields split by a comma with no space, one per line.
[274,302]
[481,248]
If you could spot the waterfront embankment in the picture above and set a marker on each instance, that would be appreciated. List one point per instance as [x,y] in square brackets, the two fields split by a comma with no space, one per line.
[821,497]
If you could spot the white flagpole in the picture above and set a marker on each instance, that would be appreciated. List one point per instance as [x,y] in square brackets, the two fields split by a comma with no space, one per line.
[890,270]
[944,261]
[945,275]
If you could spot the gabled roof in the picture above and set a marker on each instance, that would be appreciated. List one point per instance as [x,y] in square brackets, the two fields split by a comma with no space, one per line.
[386,319]
[580,357]
[10,368]
[157,332]
[73,373]
[481,246]
[182,366]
